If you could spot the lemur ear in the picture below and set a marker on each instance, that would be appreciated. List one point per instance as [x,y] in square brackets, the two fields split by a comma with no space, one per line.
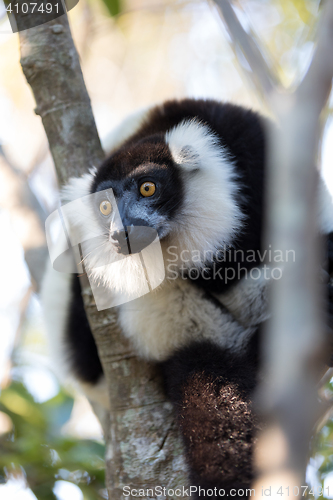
[192,145]
[187,157]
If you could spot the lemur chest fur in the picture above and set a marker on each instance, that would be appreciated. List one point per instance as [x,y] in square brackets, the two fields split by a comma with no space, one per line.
[175,314]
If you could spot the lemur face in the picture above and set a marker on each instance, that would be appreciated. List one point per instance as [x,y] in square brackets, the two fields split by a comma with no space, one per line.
[148,190]
[179,183]
[178,187]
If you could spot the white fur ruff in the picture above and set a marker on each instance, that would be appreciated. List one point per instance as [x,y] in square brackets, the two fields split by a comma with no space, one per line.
[174,316]
[211,216]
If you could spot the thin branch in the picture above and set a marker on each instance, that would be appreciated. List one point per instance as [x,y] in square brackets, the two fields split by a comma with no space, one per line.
[262,75]
[316,85]
[328,375]
[27,217]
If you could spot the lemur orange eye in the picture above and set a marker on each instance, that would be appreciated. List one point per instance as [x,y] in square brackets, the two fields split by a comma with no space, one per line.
[105,207]
[147,189]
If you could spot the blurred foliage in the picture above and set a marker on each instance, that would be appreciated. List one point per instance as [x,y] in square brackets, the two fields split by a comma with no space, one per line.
[300,6]
[322,449]
[285,30]
[35,447]
[113,6]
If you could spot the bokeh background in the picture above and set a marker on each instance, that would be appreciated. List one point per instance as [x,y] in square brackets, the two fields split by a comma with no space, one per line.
[133,53]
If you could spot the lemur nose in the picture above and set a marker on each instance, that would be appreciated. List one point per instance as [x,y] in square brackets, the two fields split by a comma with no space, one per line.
[133,239]
[121,241]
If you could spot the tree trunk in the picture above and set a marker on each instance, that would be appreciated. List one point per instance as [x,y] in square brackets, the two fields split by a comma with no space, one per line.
[142,442]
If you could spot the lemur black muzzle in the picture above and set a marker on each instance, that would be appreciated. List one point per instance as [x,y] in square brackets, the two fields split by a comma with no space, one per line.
[133,239]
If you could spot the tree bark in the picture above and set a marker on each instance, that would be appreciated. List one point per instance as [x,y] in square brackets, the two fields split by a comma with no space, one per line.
[142,442]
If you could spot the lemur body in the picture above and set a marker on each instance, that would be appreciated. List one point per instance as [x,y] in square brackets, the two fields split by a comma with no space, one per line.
[192,170]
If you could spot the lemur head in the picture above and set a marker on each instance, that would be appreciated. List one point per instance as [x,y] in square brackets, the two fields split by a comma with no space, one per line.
[148,191]
[181,184]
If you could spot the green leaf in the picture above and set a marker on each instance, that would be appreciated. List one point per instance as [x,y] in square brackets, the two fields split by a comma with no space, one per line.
[113,6]
[36,447]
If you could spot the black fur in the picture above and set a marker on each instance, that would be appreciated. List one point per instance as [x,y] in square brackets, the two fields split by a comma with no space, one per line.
[212,392]
[330,254]
[82,350]
[329,285]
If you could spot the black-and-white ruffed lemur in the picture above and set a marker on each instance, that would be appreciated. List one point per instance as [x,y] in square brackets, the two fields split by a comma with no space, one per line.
[193,170]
